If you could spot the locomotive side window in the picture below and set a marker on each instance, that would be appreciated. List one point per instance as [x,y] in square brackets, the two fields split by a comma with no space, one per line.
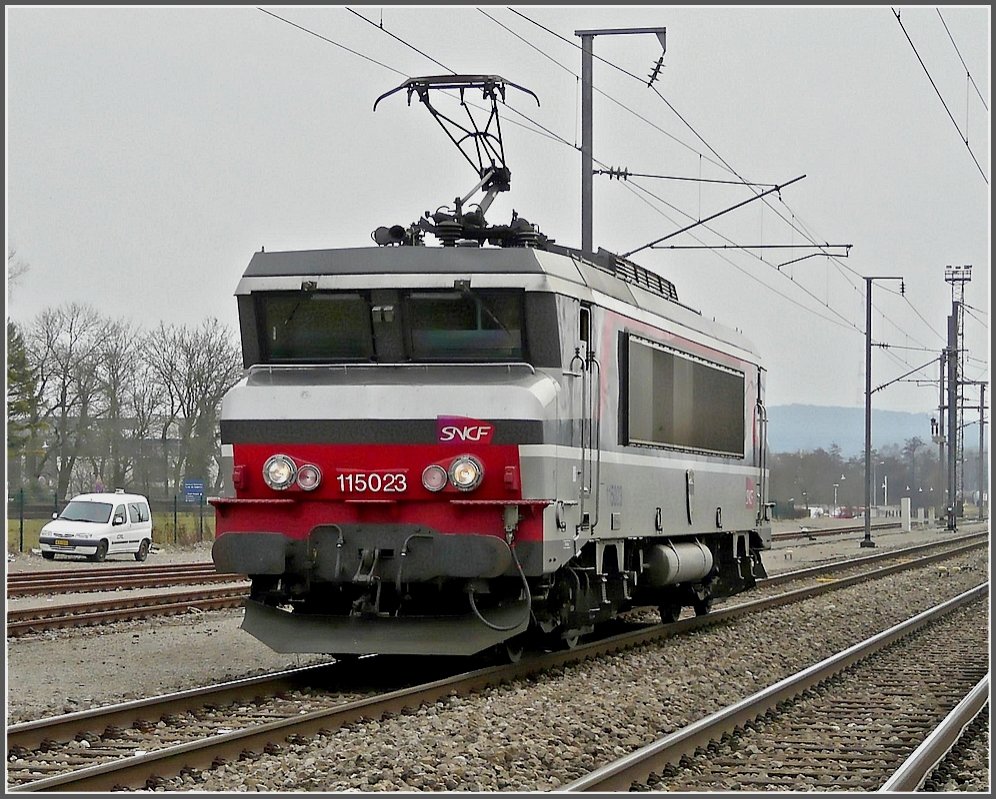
[315,326]
[678,400]
[465,325]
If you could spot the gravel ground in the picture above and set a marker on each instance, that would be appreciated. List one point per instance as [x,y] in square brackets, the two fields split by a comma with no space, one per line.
[177,652]
[539,734]
[63,671]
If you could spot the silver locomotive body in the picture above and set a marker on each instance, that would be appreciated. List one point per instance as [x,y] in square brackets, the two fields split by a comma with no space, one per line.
[440,450]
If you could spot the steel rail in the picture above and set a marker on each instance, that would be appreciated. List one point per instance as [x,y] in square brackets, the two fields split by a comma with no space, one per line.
[124,608]
[65,727]
[135,770]
[910,776]
[787,535]
[123,714]
[830,568]
[637,766]
[95,584]
[74,574]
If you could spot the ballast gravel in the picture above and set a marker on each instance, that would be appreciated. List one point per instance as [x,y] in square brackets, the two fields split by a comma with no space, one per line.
[544,732]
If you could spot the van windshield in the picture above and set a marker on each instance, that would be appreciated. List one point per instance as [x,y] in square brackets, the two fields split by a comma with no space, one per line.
[77,511]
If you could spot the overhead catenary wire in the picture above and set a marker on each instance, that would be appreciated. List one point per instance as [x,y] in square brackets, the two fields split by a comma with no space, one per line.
[551,134]
[805,232]
[600,92]
[540,129]
[961,135]
[968,73]
[626,72]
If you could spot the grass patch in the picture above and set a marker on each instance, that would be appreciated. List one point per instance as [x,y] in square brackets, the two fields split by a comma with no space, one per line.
[189,530]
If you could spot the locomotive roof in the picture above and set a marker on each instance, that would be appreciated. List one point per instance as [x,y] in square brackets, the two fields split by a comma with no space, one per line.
[605,273]
[392,260]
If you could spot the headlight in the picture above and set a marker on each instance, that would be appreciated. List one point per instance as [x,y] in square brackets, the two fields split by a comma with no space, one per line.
[279,472]
[434,477]
[309,476]
[466,473]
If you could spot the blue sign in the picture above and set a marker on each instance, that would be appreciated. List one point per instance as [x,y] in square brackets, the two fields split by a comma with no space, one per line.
[193,490]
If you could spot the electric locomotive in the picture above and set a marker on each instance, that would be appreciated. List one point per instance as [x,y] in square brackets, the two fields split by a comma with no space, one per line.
[448,449]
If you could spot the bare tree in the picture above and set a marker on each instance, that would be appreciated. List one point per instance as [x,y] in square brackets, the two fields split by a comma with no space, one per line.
[112,458]
[195,367]
[214,366]
[65,344]
[161,352]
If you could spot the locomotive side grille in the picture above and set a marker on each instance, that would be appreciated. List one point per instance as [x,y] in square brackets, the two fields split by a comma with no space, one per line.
[639,276]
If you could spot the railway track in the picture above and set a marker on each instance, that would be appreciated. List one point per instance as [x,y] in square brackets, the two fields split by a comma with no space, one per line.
[66,581]
[938,751]
[124,608]
[196,729]
[791,535]
[846,723]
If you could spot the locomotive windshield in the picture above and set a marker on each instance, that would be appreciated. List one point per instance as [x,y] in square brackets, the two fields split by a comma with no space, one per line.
[316,326]
[465,325]
[461,324]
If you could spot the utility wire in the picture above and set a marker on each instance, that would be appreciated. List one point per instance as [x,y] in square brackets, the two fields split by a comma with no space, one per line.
[565,141]
[330,41]
[968,74]
[805,232]
[528,43]
[626,174]
[556,137]
[606,95]
[399,39]
[846,322]
[976,318]
[635,190]
[963,137]
[723,161]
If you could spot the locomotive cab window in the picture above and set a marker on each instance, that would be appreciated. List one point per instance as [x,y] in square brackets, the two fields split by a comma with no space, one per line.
[315,326]
[465,325]
[681,401]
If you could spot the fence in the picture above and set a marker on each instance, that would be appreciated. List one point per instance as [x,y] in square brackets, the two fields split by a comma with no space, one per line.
[169,519]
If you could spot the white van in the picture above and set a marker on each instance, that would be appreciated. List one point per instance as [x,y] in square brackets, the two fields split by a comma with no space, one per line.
[98,525]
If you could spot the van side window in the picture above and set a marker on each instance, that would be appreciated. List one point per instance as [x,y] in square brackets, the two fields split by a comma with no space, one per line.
[119,511]
[143,512]
[134,515]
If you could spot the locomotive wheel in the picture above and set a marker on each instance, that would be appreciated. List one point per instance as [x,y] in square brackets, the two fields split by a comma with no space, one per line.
[570,641]
[670,612]
[513,649]
[702,606]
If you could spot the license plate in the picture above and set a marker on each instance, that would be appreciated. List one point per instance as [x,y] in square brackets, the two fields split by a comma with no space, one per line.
[62,542]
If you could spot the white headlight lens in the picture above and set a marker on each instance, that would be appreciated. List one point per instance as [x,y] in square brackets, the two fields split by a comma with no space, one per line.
[434,478]
[466,473]
[309,476]
[279,472]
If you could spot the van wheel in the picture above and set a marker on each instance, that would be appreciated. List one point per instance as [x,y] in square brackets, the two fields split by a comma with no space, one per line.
[101,552]
[48,555]
[143,550]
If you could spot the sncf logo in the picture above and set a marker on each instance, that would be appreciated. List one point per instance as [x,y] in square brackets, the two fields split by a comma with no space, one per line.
[459,428]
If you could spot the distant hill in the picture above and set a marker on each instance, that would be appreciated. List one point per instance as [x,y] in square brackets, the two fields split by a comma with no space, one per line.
[808,427]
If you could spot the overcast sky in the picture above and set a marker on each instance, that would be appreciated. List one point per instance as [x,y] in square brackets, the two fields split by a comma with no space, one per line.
[152,150]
